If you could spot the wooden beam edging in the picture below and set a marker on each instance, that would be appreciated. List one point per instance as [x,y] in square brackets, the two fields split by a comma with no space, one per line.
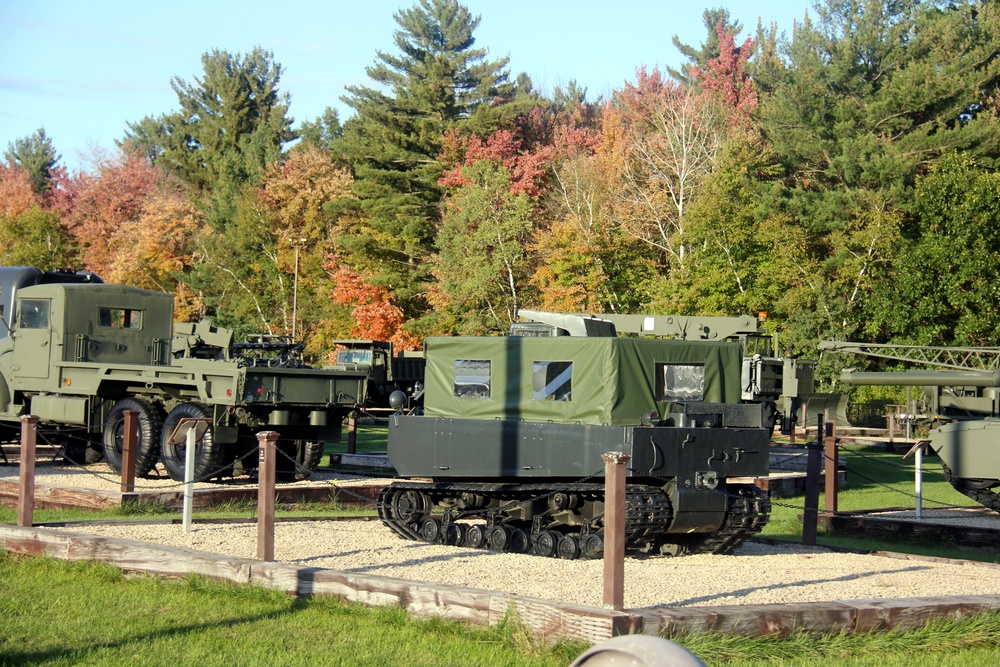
[75,497]
[547,619]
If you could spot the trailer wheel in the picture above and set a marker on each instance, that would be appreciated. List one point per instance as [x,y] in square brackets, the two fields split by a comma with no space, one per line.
[209,460]
[150,421]
[82,451]
[307,457]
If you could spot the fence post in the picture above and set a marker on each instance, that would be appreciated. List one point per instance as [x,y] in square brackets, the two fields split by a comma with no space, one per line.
[830,450]
[810,514]
[614,528]
[265,494]
[129,450]
[26,473]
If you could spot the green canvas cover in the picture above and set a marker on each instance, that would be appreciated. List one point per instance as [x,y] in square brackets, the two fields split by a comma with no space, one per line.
[588,380]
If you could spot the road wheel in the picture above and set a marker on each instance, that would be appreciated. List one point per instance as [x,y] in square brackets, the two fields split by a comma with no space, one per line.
[150,421]
[209,459]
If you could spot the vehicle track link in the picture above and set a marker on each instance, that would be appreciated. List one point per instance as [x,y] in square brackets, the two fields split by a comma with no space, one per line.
[980,490]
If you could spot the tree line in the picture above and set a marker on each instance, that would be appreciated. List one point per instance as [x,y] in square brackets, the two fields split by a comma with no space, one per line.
[842,179]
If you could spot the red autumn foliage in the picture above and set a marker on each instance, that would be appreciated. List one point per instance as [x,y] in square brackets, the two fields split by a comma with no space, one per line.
[527,148]
[727,77]
[114,193]
[374,314]
[16,194]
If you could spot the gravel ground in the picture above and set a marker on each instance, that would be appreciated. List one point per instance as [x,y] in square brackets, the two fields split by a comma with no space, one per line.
[755,574]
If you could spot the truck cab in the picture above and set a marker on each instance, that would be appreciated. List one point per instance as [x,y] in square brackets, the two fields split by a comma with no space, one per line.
[59,326]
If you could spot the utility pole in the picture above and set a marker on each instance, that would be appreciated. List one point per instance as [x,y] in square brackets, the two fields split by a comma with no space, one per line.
[296,243]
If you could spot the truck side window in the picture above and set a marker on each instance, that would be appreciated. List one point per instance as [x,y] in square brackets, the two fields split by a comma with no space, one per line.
[551,380]
[472,378]
[34,314]
[120,318]
[680,382]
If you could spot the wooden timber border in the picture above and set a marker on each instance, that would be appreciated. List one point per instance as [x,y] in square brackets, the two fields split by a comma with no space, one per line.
[60,497]
[875,523]
[548,620]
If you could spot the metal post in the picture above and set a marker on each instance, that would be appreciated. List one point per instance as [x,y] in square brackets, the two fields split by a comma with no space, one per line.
[811,508]
[128,450]
[26,473]
[190,440]
[830,468]
[614,528]
[265,494]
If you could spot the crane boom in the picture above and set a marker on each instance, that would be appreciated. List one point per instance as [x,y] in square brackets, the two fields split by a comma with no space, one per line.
[959,358]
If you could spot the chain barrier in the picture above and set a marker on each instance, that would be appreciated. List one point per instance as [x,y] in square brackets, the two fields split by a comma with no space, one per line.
[892,464]
[304,471]
[50,439]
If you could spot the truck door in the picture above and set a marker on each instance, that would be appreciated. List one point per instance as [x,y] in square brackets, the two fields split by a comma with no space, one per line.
[33,338]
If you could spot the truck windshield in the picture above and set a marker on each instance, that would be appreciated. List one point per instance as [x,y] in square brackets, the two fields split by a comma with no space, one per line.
[354,357]
[34,314]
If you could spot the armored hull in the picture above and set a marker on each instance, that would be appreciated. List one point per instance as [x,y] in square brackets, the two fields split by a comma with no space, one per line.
[970,457]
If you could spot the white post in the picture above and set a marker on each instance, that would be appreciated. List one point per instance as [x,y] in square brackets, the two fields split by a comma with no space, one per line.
[919,478]
[191,437]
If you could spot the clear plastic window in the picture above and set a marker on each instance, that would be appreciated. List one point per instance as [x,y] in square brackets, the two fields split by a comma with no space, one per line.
[680,382]
[472,378]
[120,318]
[552,380]
[34,314]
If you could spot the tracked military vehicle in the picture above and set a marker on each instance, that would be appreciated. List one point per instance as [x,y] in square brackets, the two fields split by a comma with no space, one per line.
[81,354]
[513,430]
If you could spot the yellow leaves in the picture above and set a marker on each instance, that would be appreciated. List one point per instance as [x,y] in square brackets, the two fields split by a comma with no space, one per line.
[296,190]
[152,249]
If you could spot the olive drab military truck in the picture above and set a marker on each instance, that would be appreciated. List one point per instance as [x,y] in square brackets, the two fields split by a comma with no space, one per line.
[80,354]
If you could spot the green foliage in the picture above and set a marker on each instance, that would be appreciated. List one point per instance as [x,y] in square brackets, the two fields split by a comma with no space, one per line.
[33,238]
[36,154]
[324,132]
[231,123]
[941,289]
[699,57]
[438,82]
[481,265]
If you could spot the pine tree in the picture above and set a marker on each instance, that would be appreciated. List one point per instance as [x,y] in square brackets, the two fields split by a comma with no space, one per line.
[36,155]
[231,123]
[438,82]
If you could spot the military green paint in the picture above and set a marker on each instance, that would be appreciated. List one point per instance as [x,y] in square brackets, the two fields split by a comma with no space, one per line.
[614,379]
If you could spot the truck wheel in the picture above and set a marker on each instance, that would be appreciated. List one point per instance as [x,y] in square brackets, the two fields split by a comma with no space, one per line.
[150,421]
[209,460]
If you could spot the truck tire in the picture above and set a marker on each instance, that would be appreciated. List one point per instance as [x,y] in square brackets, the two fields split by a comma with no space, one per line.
[209,460]
[150,421]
